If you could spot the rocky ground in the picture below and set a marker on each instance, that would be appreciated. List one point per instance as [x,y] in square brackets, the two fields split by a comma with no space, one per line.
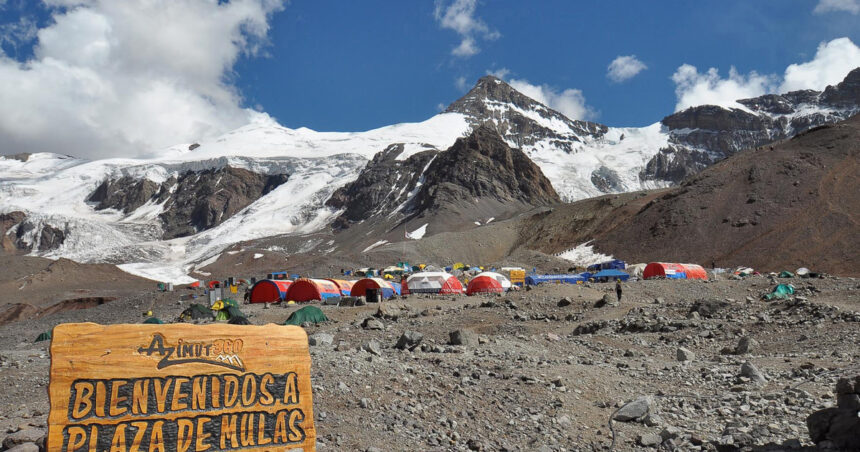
[708,365]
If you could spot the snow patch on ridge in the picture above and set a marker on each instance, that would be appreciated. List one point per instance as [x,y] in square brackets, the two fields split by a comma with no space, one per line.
[584,255]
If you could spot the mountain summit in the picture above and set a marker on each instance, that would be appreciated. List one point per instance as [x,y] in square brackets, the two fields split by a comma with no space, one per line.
[521,120]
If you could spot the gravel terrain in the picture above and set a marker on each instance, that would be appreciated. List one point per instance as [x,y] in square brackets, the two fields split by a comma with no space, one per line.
[708,365]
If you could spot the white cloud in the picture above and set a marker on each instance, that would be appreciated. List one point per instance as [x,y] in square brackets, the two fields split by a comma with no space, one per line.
[624,68]
[460,17]
[500,73]
[124,78]
[461,84]
[693,88]
[827,6]
[831,64]
[569,102]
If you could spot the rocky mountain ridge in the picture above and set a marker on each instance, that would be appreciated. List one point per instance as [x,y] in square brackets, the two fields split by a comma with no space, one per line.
[190,202]
[700,136]
[478,178]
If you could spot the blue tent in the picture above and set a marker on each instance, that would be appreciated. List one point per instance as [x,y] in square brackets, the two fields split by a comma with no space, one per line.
[615,264]
[534,279]
[610,274]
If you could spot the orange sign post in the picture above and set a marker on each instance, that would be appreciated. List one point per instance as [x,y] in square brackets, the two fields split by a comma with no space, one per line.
[180,388]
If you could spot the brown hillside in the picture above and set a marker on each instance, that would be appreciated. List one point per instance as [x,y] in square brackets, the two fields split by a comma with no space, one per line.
[795,203]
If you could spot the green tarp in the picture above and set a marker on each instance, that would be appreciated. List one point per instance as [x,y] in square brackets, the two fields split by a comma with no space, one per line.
[780,291]
[239,321]
[46,336]
[310,314]
[154,320]
[786,274]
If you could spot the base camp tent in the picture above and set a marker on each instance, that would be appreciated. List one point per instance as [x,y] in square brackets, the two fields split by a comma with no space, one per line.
[488,282]
[312,289]
[344,286]
[570,278]
[433,282]
[387,289]
[636,270]
[674,271]
[270,291]
[309,314]
[610,275]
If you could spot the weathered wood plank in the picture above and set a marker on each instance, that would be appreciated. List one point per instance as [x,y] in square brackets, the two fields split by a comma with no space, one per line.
[180,387]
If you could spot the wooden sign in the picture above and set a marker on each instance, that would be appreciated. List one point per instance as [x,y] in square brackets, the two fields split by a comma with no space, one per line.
[180,388]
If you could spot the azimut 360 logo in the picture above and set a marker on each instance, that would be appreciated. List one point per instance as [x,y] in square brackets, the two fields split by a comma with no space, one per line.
[220,352]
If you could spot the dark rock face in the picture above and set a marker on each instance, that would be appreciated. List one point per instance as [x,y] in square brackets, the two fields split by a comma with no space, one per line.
[206,199]
[125,194]
[700,136]
[15,228]
[488,104]
[9,242]
[193,201]
[674,164]
[479,167]
[606,180]
[846,93]
[483,165]
[383,184]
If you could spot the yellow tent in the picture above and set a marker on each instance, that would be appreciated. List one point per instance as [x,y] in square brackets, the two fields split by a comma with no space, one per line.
[458,265]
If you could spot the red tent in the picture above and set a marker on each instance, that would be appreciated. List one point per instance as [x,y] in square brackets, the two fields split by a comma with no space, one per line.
[344,285]
[484,284]
[675,271]
[214,283]
[433,282]
[359,288]
[311,289]
[269,291]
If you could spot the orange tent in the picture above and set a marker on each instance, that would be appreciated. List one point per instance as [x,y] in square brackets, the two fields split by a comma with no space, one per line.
[674,271]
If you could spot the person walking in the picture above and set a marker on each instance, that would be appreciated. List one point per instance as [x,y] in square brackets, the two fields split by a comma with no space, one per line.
[618,289]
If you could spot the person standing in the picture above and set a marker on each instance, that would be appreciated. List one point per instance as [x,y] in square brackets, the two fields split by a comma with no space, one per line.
[618,289]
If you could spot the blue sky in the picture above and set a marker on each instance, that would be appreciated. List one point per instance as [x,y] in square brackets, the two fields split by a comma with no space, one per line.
[101,75]
[358,65]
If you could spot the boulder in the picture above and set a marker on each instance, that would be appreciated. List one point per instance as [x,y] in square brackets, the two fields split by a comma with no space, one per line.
[746,345]
[685,355]
[635,410]
[750,371]
[372,324]
[320,339]
[564,302]
[23,436]
[24,447]
[409,340]
[836,425]
[372,347]
[463,337]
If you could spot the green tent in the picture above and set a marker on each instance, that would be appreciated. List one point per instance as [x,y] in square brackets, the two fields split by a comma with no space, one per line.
[154,320]
[780,291]
[46,336]
[196,312]
[786,274]
[239,321]
[310,314]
